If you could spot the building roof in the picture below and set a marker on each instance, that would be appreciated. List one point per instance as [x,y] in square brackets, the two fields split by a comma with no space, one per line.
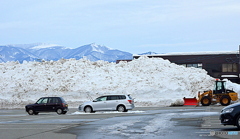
[193,53]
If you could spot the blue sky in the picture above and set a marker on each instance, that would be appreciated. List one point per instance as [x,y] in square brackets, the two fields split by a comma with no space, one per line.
[135,26]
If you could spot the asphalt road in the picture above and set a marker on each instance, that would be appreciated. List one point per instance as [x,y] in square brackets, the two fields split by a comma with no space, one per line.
[158,122]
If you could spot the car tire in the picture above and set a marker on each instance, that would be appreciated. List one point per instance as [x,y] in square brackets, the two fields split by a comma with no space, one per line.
[121,108]
[31,112]
[225,100]
[59,111]
[238,122]
[206,101]
[88,109]
[36,113]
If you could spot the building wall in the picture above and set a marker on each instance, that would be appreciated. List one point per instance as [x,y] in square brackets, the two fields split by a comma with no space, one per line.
[217,65]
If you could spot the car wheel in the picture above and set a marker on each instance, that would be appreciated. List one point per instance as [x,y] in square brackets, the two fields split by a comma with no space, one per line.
[88,109]
[206,101]
[30,111]
[225,100]
[121,108]
[59,111]
[238,122]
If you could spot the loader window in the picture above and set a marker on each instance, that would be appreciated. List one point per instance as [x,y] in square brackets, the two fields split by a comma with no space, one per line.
[219,86]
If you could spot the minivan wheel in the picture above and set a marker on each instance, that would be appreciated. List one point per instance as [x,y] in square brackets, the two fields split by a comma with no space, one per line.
[238,122]
[59,111]
[88,109]
[121,108]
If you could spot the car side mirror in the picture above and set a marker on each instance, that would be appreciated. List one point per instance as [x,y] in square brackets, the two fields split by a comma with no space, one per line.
[94,100]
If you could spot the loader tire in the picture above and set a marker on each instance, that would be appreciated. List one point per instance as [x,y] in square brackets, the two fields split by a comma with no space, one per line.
[225,100]
[206,101]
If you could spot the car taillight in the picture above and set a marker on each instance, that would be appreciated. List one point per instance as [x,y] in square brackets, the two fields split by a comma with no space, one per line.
[130,101]
[64,105]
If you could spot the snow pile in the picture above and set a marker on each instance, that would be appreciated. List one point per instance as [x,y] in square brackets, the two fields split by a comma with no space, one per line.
[232,86]
[151,81]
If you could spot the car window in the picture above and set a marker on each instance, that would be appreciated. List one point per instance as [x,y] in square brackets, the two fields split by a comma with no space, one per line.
[122,97]
[52,100]
[42,101]
[113,98]
[56,100]
[39,101]
[101,98]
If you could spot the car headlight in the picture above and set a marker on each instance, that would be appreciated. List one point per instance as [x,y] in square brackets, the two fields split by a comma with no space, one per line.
[227,110]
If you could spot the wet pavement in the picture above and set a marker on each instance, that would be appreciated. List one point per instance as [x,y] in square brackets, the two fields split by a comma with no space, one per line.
[140,123]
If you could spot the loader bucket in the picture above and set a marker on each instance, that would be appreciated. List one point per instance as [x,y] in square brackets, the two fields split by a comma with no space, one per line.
[190,101]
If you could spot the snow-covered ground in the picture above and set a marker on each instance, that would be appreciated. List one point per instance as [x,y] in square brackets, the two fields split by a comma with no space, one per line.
[151,81]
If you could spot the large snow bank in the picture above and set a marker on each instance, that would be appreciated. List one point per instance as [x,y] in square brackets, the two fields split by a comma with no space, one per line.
[151,81]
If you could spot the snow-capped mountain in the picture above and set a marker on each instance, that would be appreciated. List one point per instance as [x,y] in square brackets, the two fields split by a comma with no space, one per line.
[10,53]
[49,51]
[97,52]
[41,51]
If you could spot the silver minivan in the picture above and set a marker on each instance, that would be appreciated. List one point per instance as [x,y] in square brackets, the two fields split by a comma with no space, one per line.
[121,103]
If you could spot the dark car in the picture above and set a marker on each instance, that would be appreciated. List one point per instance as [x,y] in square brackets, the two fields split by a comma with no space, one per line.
[230,115]
[48,104]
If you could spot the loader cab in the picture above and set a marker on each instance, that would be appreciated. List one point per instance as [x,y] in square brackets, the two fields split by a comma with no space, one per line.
[219,87]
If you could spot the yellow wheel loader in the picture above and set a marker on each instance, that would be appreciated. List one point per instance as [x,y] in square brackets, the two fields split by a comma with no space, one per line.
[219,95]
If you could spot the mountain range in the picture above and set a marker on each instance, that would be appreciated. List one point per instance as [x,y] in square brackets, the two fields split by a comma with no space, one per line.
[47,52]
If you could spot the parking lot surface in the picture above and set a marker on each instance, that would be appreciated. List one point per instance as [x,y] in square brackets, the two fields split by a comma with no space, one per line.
[141,122]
